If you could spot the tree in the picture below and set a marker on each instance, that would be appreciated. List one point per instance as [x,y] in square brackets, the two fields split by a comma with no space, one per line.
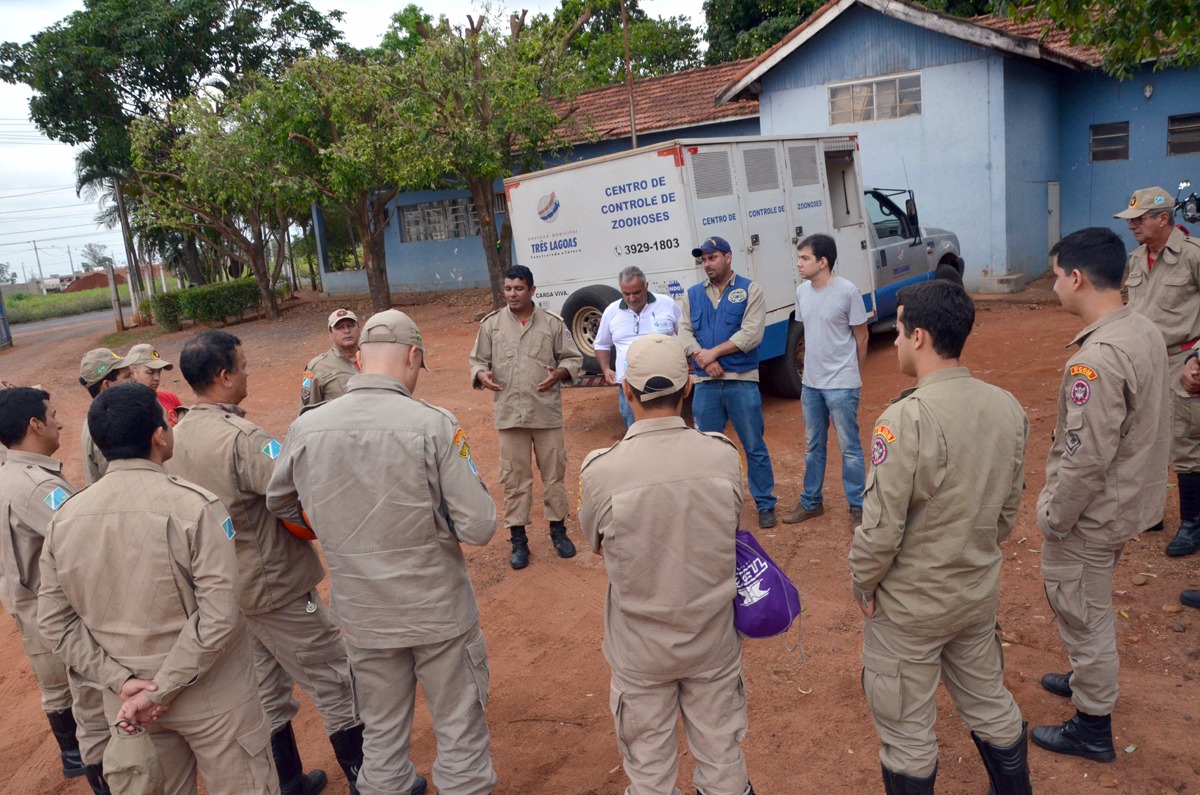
[1127,33]
[7,274]
[403,34]
[483,105]
[94,258]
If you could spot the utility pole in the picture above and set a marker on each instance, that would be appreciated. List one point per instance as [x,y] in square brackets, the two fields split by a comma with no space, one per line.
[116,296]
[71,260]
[629,79]
[41,276]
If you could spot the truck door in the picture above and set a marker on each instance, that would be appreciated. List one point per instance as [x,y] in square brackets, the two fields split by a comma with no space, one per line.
[715,201]
[896,259]
[845,217]
[770,253]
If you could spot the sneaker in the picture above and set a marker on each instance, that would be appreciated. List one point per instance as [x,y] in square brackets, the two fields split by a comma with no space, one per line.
[855,515]
[766,518]
[562,544]
[802,514]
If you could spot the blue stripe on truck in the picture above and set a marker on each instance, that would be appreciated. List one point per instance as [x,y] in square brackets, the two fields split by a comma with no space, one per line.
[885,298]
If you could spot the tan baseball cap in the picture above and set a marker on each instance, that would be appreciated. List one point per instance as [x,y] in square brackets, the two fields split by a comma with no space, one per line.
[97,363]
[145,354]
[340,314]
[1147,200]
[393,325]
[656,366]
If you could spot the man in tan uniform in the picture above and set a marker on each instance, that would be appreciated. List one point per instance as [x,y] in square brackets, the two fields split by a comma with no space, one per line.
[146,368]
[99,369]
[137,597]
[1105,479]
[295,640]
[326,375]
[662,506]
[523,353]
[32,489]
[947,468]
[394,548]
[1164,285]
[1191,384]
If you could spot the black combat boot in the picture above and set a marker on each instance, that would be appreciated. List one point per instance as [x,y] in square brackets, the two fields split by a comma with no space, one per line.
[1007,767]
[1058,684]
[95,778]
[1089,736]
[562,544]
[897,784]
[347,749]
[520,545]
[62,724]
[1187,540]
[292,778]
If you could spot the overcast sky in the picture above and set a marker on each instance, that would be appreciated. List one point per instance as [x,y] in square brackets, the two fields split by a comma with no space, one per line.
[37,177]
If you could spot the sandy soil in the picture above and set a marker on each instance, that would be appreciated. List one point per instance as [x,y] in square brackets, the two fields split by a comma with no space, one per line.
[810,731]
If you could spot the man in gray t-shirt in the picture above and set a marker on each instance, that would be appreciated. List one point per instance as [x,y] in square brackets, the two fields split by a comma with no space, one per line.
[835,350]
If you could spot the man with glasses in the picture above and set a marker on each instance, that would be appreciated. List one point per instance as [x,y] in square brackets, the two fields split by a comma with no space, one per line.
[1164,285]
[637,313]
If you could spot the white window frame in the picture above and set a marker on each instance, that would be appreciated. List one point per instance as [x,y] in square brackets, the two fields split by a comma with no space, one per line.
[874,99]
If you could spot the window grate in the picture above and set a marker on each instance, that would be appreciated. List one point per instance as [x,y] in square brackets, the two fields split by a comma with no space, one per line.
[712,175]
[1183,134]
[1110,141]
[803,162]
[762,169]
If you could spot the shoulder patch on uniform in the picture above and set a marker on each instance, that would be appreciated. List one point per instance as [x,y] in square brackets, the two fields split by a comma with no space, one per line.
[879,451]
[885,432]
[308,379]
[738,295]
[1080,392]
[460,436]
[227,526]
[1085,371]
[56,498]
[271,449]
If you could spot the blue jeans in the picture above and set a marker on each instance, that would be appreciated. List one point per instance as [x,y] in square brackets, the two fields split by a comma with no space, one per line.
[716,402]
[623,406]
[819,406]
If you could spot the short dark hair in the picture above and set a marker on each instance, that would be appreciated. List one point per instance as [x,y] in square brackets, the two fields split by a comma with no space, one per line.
[205,355]
[123,420]
[943,309]
[1095,250]
[18,406]
[520,272]
[94,389]
[822,246]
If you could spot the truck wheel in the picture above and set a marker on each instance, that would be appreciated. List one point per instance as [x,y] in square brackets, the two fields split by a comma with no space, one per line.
[582,313]
[785,373]
[949,273]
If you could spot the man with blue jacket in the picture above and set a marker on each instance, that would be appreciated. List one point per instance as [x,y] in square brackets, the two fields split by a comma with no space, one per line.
[721,329]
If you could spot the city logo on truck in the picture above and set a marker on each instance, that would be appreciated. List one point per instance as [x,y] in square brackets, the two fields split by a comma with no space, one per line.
[547,208]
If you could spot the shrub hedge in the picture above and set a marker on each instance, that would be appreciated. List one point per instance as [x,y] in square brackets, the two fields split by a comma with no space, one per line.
[216,303]
[167,310]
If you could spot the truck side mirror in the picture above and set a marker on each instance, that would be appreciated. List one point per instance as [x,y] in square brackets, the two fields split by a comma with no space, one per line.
[910,207]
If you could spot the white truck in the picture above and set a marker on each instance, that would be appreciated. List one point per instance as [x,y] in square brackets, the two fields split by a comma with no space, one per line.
[577,225]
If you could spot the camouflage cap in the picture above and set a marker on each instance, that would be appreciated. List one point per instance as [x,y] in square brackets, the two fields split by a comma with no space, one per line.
[98,363]
[147,355]
[1147,200]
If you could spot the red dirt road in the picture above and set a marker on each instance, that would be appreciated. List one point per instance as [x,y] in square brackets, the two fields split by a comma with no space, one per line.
[810,731]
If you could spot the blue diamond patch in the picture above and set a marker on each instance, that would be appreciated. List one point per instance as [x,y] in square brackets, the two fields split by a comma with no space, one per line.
[271,449]
[227,526]
[56,498]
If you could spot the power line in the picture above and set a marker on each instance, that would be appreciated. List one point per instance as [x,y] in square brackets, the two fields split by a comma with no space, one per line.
[93,236]
[36,192]
[38,209]
[47,229]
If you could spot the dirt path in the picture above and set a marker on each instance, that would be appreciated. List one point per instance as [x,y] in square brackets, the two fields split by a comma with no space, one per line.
[810,731]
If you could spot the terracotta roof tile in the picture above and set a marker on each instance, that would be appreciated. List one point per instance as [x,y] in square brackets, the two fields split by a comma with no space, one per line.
[681,99]
[1051,39]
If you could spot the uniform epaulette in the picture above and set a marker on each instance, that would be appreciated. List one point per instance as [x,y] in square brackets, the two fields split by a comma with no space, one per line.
[445,412]
[489,314]
[310,406]
[190,486]
[721,436]
[39,475]
[596,454]
[312,362]
[554,315]
[241,423]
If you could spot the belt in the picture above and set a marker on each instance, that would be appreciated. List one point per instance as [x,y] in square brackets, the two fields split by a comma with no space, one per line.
[1185,346]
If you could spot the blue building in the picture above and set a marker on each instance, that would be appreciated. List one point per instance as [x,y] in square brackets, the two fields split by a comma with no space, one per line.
[433,240]
[1008,138]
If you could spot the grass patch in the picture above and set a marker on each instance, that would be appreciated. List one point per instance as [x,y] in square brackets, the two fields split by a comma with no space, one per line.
[125,339]
[44,307]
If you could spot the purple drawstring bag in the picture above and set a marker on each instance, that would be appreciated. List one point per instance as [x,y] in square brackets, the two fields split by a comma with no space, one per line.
[767,602]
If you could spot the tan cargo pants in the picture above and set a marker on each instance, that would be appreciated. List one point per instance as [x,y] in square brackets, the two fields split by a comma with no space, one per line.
[714,722]
[299,643]
[454,679]
[1079,583]
[1185,420]
[518,446]
[900,676]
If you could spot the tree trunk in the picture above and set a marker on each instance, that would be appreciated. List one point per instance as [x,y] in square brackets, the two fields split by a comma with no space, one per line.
[258,266]
[368,219]
[131,269]
[497,246]
[192,273]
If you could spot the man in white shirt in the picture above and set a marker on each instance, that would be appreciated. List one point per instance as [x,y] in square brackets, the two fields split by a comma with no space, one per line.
[637,313]
[835,351]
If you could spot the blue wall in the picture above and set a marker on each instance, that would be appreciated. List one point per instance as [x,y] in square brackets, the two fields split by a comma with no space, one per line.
[1031,132]
[1093,192]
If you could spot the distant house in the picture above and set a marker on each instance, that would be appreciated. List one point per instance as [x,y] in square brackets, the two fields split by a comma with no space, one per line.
[1009,139]
[433,241]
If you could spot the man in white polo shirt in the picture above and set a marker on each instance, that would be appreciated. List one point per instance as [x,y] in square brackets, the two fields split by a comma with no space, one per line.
[637,313]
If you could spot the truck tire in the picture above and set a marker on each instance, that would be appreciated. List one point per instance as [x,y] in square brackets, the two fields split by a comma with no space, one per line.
[581,312]
[949,273]
[785,373]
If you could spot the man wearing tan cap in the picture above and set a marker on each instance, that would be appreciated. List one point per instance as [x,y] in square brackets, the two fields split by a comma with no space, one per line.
[393,543]
[662,506]
[295,639]
[147,366]
[1164,285]
[325,376]
[99,369]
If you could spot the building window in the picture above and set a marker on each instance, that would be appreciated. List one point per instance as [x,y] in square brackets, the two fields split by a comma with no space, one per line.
[1110,141]
[1183,134]
[875,100]
[440,220]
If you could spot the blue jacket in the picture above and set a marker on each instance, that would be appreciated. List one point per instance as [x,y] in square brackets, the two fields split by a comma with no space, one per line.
[714,325]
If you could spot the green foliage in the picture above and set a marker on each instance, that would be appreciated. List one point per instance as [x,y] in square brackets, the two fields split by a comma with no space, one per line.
[44,307]
[1127,33]
[217,303]
[144,310]
[168,310]
[403,34]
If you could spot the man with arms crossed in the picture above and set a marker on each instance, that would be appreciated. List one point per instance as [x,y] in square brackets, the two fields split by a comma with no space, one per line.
[947,469]
[662,506]
[638,313]
[393,544]
[835,352]
[1105,479]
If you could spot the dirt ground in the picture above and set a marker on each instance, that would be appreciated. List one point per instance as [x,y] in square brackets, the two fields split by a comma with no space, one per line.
[810,731]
